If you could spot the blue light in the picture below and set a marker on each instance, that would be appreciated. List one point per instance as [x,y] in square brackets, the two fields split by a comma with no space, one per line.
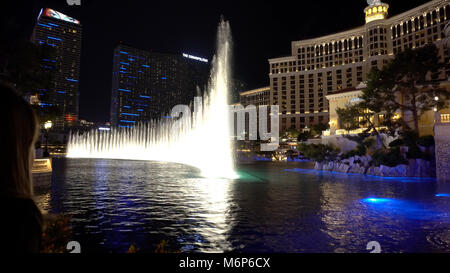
[127,121]
[140,71]
[147,97]
[443,195]
[122,126]
[132,77]
[127,106]
[61,92]
[131,59]
[124,90]
[140,104]
[53,38]
[376,200]
[71,80]
[55,25]
[144,65]
[124,63]
[140,110]
[123,72]
[128,114]
[395,208]
[164,78]
[48,60]
[51,45]
[123,52]
[167,117]
[44,25]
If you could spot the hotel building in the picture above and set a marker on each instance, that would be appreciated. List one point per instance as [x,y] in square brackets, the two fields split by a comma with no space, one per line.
[146,85]
[260,96]
[64,34]
[325,65]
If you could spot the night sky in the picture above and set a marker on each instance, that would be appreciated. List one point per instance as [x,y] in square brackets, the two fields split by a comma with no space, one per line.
[261,30]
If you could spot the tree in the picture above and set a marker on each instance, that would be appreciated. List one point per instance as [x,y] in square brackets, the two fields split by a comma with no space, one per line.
[292,133]
[304,136]
[410,82]
[318,128]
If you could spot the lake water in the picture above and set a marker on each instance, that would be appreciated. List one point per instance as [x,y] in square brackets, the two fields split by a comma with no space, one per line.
[272,207]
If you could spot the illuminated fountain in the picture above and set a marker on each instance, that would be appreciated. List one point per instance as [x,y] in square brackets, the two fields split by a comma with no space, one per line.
[202,141]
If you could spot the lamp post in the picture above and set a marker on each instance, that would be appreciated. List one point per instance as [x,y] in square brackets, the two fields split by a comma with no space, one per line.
[47,127]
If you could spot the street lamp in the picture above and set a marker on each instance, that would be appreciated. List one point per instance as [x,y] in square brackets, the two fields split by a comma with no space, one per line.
[47,127]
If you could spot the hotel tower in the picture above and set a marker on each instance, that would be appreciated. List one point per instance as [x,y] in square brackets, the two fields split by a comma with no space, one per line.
[325,65]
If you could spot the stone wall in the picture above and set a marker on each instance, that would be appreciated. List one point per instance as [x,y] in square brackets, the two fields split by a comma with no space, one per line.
[345,145]
[362,165]
[442,139]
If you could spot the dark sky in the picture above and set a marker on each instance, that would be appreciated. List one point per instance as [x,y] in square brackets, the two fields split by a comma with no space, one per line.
[260,29]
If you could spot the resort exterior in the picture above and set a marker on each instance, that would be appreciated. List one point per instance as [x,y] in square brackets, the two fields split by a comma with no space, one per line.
[327,65]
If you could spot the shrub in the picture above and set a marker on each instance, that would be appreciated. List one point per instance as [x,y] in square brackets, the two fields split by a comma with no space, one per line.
[359,151]
[368,142]
[391,158]
[57,234]
[318,152]
[397,142]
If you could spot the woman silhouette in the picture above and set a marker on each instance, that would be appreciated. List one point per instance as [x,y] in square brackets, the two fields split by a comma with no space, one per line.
[21,226]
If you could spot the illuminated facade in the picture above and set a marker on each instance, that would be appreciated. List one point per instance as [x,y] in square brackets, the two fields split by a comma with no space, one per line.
[146,85]
[347,97]
[260,96]
[64,34]
[325,65]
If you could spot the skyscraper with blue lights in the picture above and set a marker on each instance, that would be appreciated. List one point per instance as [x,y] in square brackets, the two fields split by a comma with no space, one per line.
[64,34]
[146,85]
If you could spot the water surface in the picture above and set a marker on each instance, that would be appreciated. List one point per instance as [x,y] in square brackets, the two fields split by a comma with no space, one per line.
[273,207]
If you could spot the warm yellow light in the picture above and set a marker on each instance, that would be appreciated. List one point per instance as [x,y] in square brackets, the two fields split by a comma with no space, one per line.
[380,9]
[374,17]
[385,9]
[374,9]
[369,12]
[48,124]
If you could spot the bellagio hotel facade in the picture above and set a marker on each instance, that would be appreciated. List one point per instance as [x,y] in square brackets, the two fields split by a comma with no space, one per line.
[332,63]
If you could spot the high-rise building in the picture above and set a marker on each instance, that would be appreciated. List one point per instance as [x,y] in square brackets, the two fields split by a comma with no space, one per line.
[64,34]
[321,66]
[146,85]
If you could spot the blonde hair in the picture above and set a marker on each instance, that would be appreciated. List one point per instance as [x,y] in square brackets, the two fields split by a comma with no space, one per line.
[20,130]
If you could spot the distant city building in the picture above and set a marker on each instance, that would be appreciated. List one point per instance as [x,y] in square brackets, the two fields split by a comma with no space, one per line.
[260,96]
[328,64]
[236,87]
[64,34]
[146,85]
[255,97]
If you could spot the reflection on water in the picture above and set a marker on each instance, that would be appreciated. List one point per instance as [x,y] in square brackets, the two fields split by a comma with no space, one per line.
[273,207]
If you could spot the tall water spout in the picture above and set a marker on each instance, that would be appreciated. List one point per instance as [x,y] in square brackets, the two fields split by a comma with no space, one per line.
[202,141]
